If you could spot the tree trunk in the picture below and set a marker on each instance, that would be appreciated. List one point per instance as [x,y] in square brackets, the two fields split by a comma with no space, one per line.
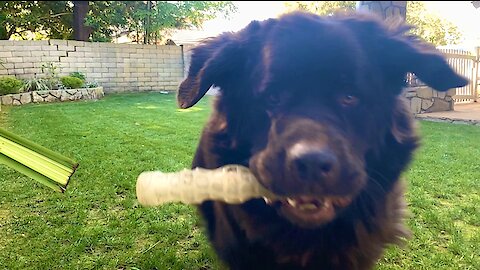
[80,31]
[385,9]
[146,36]
[4,34]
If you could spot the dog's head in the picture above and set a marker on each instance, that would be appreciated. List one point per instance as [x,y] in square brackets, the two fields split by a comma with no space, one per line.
[310,99]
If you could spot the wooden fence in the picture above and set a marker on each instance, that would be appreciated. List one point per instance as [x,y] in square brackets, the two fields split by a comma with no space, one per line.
[465,63]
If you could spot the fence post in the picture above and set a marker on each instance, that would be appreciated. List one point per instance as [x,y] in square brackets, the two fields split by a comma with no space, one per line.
[476,76]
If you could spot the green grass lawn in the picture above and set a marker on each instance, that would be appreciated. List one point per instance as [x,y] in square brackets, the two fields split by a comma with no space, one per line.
[97,223]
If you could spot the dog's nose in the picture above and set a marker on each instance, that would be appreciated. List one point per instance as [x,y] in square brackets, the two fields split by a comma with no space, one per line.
[315,164]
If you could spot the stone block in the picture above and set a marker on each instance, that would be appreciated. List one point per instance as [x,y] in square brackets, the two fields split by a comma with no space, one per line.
[24,76]
[36,97]
[81,60]
[145,88]
[56,93]
[4,54]
[21,53]
[50,59]
[32,70]
[426,104]
[39,53]
[6,43]
[93,65]
[58,53]
[6,100]
[115,70]
[28,49]
[77,65]
[108,55]
[129,79]
[440,105]
[68,59]
[109,65]
[441,95]
[95,75]
[58,42]
[452,92]
[416,105]
[76,54]
[30,43]
[15,59]
[67,70]
[49,48]
[50,98]
[76,43]
[25,98]
[65,96]
[23,65]
[83,49]
[92,54]
[16,71]
[66,48]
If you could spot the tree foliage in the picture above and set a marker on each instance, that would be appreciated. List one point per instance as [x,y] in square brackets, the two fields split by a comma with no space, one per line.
[324,8]
[427,26]
[24,19]
[150,20]
[430,27]
[145,21]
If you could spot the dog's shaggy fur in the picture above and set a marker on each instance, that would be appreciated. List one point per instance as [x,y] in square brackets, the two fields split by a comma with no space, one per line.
[313,107]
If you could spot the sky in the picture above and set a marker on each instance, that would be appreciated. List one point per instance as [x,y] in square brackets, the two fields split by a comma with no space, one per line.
[460,13]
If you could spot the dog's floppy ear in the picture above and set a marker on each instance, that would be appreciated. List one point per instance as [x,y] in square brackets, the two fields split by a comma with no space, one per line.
[410,55]
[221,62]
[212,63]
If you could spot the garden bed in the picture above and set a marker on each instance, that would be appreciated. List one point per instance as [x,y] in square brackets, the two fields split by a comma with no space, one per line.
[52,96]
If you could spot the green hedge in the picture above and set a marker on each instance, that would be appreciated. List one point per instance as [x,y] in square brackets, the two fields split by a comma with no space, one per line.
[10,85]
[72,82]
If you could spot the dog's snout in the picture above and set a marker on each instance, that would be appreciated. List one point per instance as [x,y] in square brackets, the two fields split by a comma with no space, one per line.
[312,163]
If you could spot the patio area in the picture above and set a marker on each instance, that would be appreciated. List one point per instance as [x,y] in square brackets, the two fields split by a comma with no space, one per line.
[468,113]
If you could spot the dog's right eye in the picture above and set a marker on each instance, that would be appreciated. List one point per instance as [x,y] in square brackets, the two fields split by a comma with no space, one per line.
[348,100]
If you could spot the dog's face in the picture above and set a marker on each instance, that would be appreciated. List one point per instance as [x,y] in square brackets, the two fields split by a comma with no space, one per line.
[307,100]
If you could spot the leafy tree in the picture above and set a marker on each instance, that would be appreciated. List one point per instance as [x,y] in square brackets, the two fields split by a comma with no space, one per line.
[149,21]
[146,21]
[428,27]
[324,8]
[45,18]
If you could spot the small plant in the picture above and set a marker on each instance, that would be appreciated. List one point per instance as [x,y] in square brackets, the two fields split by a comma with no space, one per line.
[79,75]
[91,84]
[35,84]
[10,85]
[71,82]
[50,70]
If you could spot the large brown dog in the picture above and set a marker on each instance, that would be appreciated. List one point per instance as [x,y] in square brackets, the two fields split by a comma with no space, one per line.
[313,107]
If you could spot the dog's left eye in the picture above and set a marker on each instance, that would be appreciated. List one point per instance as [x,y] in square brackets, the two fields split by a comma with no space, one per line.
[348,100]
[274,99]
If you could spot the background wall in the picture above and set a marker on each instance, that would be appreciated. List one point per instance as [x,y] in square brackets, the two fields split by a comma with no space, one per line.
[116,67]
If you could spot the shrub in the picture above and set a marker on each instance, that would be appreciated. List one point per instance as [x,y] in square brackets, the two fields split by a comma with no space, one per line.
[35,84]
[10,85]
[79,75]
[71,82]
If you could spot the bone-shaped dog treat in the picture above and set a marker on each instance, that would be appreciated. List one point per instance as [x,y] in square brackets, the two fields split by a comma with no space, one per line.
[231,184]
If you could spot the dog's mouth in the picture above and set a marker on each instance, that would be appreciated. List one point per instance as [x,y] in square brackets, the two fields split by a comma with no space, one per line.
[309,211]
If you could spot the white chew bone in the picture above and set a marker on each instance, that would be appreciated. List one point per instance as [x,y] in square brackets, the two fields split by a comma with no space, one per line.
[231,184]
